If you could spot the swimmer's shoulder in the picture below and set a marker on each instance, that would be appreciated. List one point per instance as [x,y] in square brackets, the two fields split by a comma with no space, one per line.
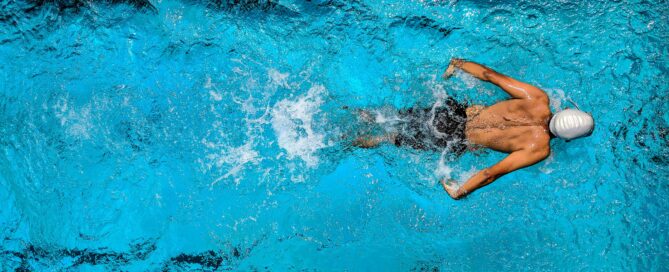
[540,141]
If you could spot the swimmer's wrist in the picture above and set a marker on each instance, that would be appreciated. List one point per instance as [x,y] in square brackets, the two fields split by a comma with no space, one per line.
[461,192]
[457,62]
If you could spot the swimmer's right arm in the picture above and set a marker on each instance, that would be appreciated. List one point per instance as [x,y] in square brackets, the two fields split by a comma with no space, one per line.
[514,88]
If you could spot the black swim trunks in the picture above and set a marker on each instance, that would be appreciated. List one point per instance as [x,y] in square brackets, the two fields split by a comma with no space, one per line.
[437,128]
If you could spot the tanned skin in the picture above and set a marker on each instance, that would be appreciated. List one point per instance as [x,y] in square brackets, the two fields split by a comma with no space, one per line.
[517,126]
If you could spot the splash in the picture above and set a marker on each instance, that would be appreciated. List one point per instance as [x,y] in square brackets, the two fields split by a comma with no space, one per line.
[236,157]
[77,123]
[293,124]
[465,175]
[386,117]
[469,80]
[443,171]
[556,96]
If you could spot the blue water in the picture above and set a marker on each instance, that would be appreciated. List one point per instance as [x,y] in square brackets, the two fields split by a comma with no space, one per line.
[194,134]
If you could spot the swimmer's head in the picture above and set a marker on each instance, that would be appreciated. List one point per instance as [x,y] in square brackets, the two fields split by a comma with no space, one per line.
[571,124]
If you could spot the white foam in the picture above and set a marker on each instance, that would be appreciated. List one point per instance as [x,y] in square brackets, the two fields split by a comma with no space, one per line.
[292,121]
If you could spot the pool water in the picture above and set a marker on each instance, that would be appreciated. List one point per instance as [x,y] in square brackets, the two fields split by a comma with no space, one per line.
[184,135]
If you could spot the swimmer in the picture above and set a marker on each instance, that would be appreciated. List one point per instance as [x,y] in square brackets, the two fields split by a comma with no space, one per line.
[521,126]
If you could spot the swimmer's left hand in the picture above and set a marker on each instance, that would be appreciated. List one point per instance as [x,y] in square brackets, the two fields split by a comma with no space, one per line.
[455,63]
[451,187]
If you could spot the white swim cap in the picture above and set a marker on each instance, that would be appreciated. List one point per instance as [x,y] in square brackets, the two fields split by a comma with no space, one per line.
[571,124]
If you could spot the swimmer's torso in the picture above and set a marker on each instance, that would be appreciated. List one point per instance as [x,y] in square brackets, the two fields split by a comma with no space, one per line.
[509,125]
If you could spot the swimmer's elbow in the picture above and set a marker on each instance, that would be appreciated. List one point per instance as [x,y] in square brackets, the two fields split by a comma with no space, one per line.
[540,97]
[541,154]
[487,74]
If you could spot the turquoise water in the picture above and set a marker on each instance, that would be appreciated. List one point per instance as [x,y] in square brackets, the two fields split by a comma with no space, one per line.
[186,135]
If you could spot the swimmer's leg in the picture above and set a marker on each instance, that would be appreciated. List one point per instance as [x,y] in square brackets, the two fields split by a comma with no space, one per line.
[366,116]
[374,141]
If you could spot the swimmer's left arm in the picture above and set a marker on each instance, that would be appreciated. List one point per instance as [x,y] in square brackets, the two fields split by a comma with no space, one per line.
[516,160]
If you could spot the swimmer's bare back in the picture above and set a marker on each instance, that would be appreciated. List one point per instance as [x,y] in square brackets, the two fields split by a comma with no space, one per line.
[518,126]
